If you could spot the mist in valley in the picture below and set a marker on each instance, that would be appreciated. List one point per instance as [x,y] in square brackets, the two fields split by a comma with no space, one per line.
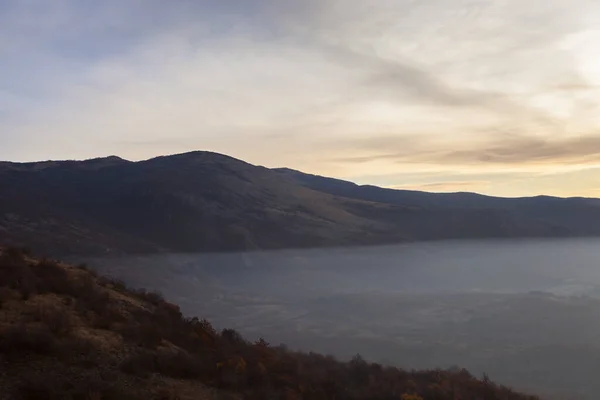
[525,312]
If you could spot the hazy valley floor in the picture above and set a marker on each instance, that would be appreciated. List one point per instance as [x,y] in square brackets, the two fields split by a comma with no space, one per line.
[525,312]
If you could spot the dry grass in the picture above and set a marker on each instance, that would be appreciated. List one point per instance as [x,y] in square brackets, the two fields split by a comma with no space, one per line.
[59,324]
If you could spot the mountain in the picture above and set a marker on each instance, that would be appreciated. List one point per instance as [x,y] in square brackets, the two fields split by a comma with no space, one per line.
[576,216]
[188,202]
[412,198]
[201,201]
[66,333]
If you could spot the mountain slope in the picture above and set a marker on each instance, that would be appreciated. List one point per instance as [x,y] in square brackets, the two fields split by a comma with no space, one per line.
[204,201]
[571,216]
[339,187]
[189,202]
[66,333]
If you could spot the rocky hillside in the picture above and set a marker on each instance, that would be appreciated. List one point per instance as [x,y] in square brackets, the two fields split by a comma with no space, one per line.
[199,202]
[66,333]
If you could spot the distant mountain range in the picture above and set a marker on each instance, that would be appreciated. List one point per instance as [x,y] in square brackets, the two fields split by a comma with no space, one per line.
[201,201]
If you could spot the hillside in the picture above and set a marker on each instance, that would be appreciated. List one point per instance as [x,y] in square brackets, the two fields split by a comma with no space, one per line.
[200,202]
[578,216]
[189,202]
[66,333]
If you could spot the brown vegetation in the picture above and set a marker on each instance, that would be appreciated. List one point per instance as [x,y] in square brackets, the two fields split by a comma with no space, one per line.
[67,334]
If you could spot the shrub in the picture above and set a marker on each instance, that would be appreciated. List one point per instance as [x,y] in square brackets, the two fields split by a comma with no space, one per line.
[139,364]
[80,351]
[52,278]
[86,268]
[16,274]
[21,340]
[166,394]
[145,334]
[7,294]
[115,284]
[60,385]
[107,318]
[92,298]
[153,297]
[233,337]
[96,300]
[171,363]
[407,396]
[179,365]
[57,319]
[15,253]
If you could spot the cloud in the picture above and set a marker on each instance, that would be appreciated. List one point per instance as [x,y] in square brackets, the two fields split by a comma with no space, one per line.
[359,42]
[498,149]
[530,150]
[335,87]
[403,81]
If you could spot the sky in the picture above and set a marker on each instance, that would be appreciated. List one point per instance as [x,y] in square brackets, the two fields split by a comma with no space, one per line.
[493,96]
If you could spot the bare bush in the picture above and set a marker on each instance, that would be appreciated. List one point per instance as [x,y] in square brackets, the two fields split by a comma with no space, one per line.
[153,297]
[56,318]
[171,363]
[60,385]
[143,334]
[20,340]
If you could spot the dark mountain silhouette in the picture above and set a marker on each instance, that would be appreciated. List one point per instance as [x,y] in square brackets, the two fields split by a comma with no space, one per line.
[576,216]
[414,198]
[203,201]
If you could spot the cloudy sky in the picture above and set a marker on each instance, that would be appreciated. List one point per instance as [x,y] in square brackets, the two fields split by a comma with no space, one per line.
[494,96]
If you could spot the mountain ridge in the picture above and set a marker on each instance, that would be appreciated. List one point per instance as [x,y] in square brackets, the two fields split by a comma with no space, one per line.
[306,178]
[204,202]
